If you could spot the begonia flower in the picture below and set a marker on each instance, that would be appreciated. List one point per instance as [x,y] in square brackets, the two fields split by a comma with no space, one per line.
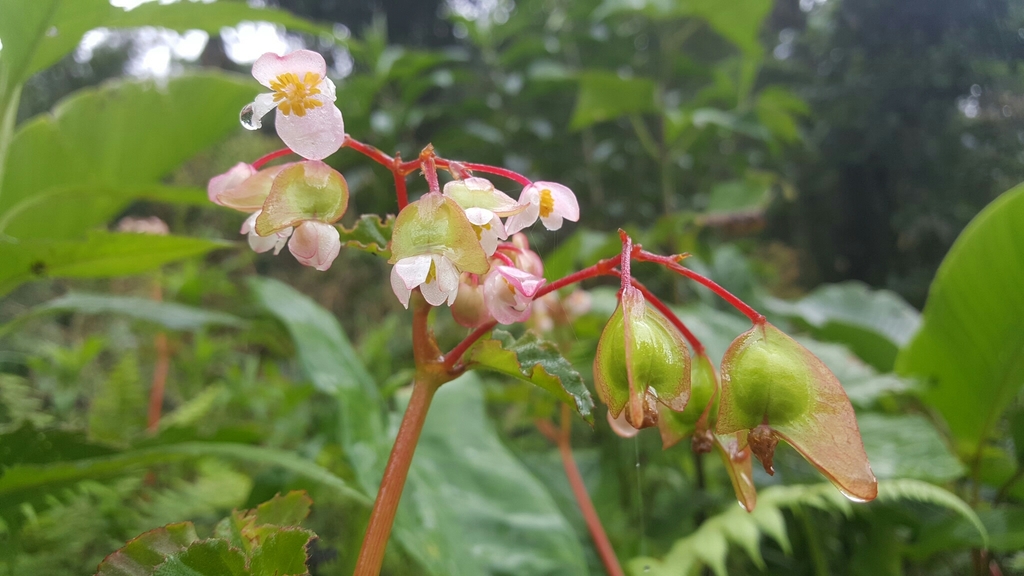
[247,195]
[432,243]
[469,309]
[508,293]
[261,244]
[307,120]
[550,202]
[488,228]
[315,244]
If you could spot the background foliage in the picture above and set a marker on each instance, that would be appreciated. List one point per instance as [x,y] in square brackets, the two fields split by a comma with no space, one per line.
[821,159]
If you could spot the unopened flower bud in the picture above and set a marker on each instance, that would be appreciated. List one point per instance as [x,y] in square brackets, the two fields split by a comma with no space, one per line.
[315,244]
[641,361]
[223,182]
[509,292]
[469,309]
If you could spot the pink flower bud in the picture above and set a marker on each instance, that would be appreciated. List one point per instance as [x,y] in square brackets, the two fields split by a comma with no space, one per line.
[508,293]
[469,309]
[315,244]
[221,183]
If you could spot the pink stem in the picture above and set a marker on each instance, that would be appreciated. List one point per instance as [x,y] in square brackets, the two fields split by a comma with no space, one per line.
[259,162]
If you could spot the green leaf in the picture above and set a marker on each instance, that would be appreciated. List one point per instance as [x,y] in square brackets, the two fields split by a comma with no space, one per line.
[606,96]
[141,556]
[29,445]
[170,315]
[918,491]
[204,558]
[738,21]
[907,446]
[873,323]
[1005,527]
[39,33]
[328,359]
[27,482]
[734,196]
[111,142]
[471,507]
[970,347]
[100,255]
[369,234]
[536,361]
[777,108]
[282,554]
[288,510]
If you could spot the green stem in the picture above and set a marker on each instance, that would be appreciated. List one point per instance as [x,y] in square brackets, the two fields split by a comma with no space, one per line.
[9,117]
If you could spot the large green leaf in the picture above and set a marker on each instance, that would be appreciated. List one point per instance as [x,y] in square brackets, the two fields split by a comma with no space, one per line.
[101,255]
[873,323]
[970,347]
[907,446]
[471,507]
[537,361]
[170,315]
[606,96]
[112,143]
[36,34]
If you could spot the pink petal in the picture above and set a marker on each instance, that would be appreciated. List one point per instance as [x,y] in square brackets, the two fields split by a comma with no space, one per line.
[251,193]
[398,287]
[270,65]
[524,219]
[413,270]
[316,135]
[315,244]
[223,182]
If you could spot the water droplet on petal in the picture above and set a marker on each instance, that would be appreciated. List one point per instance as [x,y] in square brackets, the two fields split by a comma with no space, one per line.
[248,118]
[851,497]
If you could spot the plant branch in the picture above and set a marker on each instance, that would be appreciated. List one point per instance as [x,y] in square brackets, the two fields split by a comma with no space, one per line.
[672,263]
[401,193]
[371,152]
[259,162]
[579,490]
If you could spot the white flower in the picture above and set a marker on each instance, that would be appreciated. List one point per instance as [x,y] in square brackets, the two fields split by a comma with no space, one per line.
[223,182]
[315,244]
[261,244]
[548,201]
[508,293]
[307,120]
[488,228]
[436,276]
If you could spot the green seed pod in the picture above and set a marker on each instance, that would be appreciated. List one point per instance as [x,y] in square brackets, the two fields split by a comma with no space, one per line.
[641,360]
[701,410]
[303,191]
[765,378]
[435,224]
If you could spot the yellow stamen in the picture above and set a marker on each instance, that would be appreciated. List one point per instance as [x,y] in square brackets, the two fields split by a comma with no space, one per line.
[547,203]
[431,274]
[294,96]
[510,287]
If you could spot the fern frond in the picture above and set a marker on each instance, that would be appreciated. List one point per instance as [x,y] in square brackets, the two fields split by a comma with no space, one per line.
[709,544]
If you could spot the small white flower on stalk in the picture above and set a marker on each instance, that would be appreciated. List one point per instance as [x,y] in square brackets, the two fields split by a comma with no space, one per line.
[261,244]
[550,202]
[509,292]
[307,120]
[315,244]
[433,242]
[435,275]
[488,228]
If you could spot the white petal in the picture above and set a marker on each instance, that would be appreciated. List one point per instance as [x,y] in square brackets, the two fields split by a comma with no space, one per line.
[565,201]
[270,65]
[433,294]
[552,221]
[315,135]
[263,104]
[413,270]
[282,239]
[524,219]
[328,89]
[447,274]
[398,287]
[479,216]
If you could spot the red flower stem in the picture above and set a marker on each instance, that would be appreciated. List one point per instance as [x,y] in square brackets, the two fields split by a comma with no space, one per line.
[672,263]
[371,555]
[259,162]
[369,151]
[579,490]
[430,169]
[497,171]
[624,259]
[698,346]
[602,268]
[401,194]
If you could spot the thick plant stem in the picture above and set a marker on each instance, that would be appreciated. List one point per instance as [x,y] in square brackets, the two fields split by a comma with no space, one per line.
[579,490]
[430,374]
[371,555]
